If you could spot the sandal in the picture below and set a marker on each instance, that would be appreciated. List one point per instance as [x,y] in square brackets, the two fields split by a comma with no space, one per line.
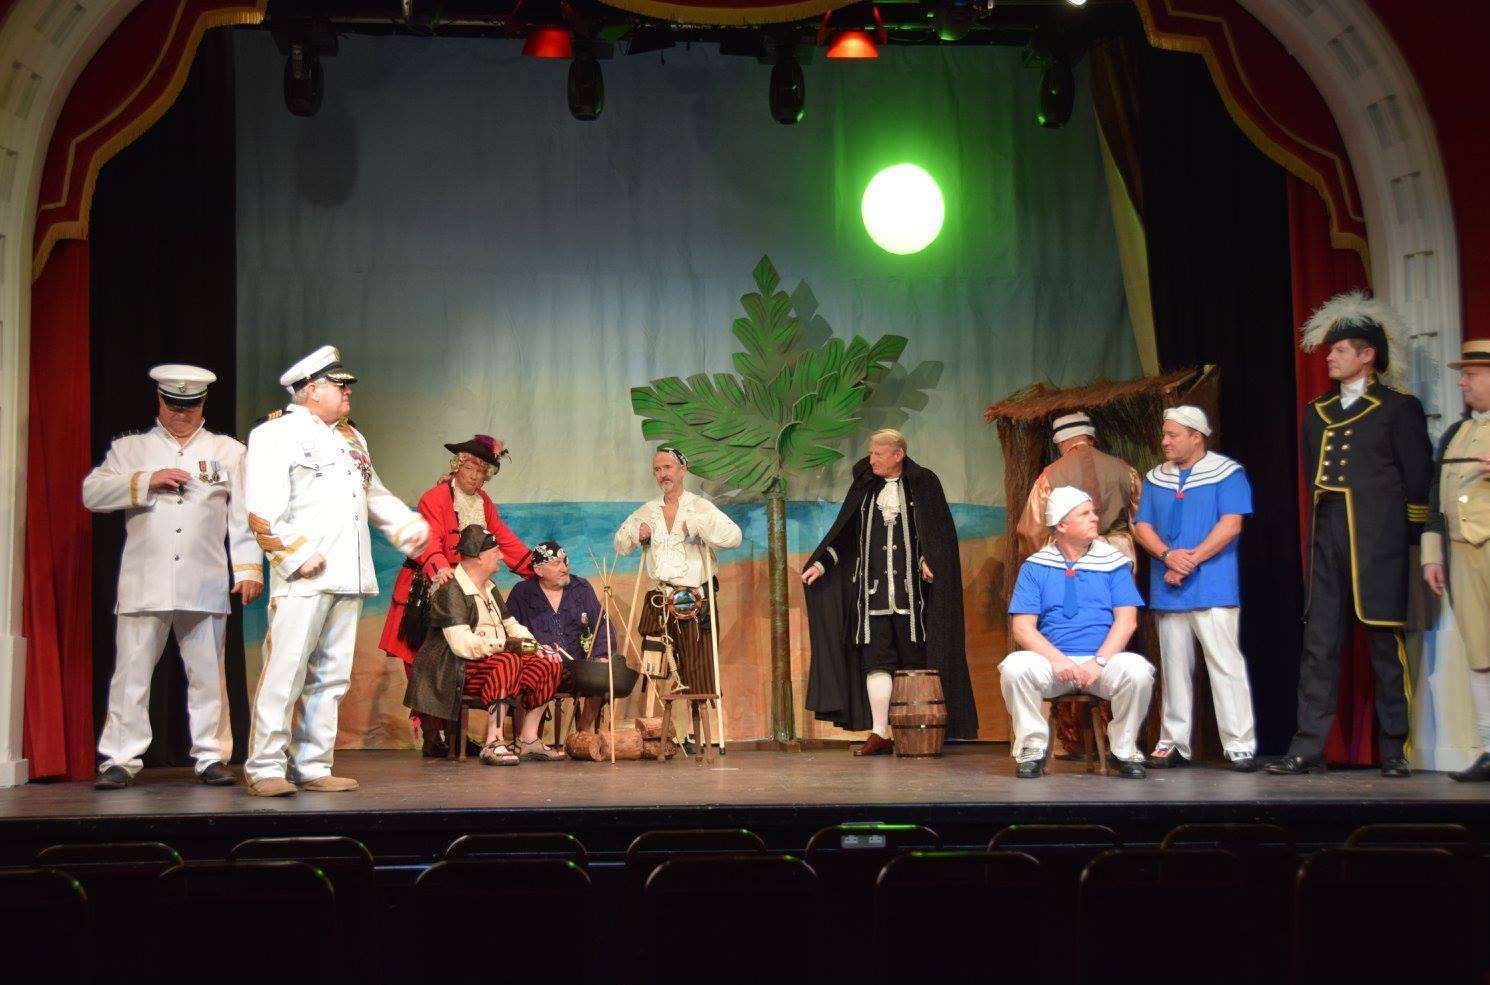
[537,752]
[497,754]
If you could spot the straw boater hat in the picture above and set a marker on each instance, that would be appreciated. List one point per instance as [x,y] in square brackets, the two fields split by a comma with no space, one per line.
[1355,316]
[1475,353]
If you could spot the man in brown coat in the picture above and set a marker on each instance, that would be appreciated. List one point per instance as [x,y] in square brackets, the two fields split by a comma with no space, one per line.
[1112,483]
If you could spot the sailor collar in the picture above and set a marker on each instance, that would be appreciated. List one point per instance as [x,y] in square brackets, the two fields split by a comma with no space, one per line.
[1101,556]
[1208,470]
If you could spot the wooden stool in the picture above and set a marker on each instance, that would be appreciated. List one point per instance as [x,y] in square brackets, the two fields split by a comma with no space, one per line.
[698,719]
[1095,758]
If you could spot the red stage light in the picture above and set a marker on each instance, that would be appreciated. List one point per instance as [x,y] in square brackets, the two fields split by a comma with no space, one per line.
[548,42]
[853,44]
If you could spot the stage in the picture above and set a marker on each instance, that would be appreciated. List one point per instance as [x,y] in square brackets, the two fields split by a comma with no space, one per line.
[409,808]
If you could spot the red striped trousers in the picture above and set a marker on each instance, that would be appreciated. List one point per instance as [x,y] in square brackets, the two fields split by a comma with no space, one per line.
[531,677]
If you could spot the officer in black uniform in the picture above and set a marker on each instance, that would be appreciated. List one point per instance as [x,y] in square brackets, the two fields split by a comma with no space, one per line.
[1367,459]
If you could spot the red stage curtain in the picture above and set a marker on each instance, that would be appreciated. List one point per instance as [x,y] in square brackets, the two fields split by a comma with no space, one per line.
[1320,271]
[58,601]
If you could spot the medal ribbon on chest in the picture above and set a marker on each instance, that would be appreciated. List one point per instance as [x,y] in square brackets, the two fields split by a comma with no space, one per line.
[358,451]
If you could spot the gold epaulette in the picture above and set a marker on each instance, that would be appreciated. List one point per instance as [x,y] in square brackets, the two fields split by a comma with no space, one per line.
[270,416]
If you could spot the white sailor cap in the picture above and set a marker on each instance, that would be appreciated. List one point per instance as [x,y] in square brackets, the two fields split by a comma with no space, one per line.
[1063,499]
[182,384]
[324,363]
[1191,417]
[1070,426]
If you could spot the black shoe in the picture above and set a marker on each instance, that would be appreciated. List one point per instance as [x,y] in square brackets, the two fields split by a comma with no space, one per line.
[1246,764]
[1170,760]
[1395,766]
[1127,770]
[1030,769]
[1476,772]
[1295,766]
[113,778]
[435,746]
[217,775]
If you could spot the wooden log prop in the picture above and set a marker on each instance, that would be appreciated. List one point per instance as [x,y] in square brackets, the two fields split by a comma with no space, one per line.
[583,746]
[650,728]
[659,749]
[626,745]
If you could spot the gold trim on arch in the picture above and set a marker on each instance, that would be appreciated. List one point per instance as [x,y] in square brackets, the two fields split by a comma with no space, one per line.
[78,228]
[1340,239]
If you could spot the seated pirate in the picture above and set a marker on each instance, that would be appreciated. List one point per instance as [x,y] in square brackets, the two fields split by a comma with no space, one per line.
[563,613]
[1073,610]
[466,657]
[679,533]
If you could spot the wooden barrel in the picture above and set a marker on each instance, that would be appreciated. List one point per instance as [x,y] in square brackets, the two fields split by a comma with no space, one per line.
[918,713]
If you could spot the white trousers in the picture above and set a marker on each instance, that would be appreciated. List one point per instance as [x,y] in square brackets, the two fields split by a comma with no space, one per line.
[307,668]
[1027,679]
[1227,669]
[139,639]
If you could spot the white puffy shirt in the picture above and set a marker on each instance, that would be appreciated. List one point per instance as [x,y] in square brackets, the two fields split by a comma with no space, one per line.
[673,557]
[174,559]
[312,490]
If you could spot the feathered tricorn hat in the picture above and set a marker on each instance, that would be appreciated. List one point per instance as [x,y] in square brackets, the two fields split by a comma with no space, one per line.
[1354,315]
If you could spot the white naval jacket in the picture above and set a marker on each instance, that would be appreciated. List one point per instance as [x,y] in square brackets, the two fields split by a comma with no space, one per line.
[173,558]
[312,490]
[673,557]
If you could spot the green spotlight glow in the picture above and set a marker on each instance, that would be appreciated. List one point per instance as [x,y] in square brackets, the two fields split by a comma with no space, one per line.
[903,209]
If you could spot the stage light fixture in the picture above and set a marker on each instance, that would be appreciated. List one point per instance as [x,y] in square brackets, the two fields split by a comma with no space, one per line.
[548,42]
[586,88]
[1077,3]
[1057,94]
[788,93]
[953,20]
[853,44]
[304,82]
[903,209]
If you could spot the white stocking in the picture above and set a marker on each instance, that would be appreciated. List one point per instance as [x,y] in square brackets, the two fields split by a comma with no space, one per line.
[1479,690]
[878,684]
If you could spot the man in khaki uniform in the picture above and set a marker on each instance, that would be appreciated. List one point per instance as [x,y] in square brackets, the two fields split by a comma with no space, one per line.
[1113,485]
[1459,512]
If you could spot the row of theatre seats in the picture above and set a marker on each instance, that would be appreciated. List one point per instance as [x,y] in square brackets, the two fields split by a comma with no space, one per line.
[862,903]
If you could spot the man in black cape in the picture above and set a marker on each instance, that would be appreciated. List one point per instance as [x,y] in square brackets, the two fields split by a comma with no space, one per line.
[884,592]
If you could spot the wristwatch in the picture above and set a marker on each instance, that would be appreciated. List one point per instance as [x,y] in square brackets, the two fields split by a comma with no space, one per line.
[1165,555]
[1101,661]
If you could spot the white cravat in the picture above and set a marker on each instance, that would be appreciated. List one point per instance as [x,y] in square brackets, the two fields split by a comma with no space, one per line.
[888,501]
[1351,392]
[1480,416]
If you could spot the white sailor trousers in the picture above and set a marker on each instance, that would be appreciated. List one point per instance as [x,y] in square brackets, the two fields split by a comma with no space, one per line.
[1227,668]
[139,639]
[307,668]
[1027,679]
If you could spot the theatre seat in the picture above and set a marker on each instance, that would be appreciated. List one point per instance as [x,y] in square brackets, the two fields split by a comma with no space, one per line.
[959,917]
[246,922]
[1189,902]
[746,918]
[531,920]
[46,931]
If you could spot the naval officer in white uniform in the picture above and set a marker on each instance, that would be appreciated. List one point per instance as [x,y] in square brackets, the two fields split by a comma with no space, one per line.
[181,489]
[312,492]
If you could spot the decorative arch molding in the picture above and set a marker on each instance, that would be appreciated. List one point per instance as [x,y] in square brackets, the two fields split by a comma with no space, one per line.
[46,45]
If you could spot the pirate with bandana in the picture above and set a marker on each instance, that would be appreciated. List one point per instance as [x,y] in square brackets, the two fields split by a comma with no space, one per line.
[563,613]
[679,533]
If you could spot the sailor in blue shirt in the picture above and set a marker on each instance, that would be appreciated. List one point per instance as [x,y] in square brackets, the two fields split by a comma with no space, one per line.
[1073,610]
[1190,519]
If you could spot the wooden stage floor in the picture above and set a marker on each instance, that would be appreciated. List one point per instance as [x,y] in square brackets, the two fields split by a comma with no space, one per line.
[410,807]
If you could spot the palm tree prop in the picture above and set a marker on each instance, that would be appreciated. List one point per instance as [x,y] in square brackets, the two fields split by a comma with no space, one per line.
[779,413]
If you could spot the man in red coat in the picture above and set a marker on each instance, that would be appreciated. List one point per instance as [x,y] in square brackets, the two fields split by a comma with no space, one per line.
[453,503]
